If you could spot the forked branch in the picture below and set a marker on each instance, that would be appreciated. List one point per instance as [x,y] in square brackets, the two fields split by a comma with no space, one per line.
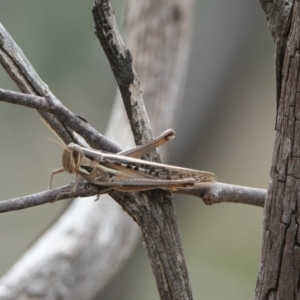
[149,210]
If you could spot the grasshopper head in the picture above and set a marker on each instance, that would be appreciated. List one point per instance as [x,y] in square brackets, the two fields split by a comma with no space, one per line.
[72,158]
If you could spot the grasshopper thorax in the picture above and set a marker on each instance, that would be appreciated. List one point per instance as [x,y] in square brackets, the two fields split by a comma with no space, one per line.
[72,158]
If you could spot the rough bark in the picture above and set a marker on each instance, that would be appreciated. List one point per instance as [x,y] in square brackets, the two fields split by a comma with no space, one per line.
[280,265]
[98,238]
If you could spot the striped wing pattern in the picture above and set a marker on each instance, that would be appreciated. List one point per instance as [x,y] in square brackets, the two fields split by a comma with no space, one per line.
[155,170]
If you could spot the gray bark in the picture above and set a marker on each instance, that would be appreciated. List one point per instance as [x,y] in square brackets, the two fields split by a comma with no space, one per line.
[98,238]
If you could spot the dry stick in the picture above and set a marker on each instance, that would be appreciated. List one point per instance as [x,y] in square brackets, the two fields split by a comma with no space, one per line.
[34,268]
[221,192]
[84,189]
[23,74]
[153,211]
[217,193]
[45,266]
[28,81]
[120,60]
[213,194]
[20,70]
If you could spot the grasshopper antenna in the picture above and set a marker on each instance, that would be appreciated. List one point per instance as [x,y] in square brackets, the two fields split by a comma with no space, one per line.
[62,142]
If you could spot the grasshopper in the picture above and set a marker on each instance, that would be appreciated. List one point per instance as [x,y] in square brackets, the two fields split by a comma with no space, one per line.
[125,172]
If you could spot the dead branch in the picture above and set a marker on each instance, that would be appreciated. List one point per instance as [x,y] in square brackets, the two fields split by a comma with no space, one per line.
[211,194]
[28,270]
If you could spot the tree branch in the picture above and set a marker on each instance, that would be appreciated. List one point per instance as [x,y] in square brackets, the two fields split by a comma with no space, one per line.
[211,194]
[23,74]
[152,208]
[50,104]
[60,118]
[221,192]
[216,193]
[88,264]
[84,189]
[120,60]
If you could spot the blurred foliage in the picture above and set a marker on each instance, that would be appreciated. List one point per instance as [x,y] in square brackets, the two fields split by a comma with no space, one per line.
[226,125]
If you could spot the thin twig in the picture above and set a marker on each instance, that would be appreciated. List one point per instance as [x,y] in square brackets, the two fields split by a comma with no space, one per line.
[84,189]
[26,78]
[222,192]
[50,104]
[60,118]
[218,192]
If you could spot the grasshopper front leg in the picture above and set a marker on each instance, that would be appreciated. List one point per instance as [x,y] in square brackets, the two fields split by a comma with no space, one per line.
[74,188]
[55,172]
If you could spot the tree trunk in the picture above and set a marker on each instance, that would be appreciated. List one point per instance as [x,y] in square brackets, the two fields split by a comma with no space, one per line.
[280,261]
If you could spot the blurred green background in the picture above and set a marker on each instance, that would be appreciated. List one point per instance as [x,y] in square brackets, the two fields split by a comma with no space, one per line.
[226,125]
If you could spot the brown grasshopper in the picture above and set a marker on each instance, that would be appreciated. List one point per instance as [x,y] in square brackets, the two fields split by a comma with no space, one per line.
[125,171]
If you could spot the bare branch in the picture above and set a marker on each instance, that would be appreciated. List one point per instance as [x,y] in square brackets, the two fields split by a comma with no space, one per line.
[21,71]
[84,189]
[85,223]
[24,100]
[120,60]
[155,206]
[23,74]
[211,194]
[53,106]
[221,192]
